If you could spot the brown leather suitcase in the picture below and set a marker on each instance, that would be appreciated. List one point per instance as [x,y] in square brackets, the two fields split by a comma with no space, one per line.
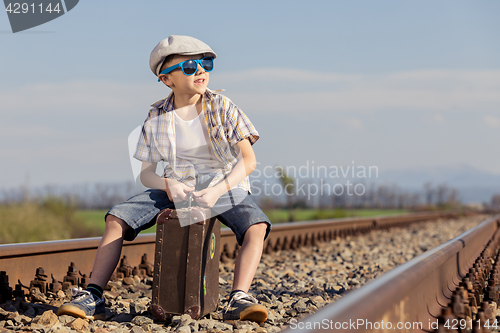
[186,264]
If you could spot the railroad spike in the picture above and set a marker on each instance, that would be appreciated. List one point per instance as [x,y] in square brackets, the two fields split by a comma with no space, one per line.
[485,307]
[445,318]
[5,290]
[54,286]
[84,280]
[146,265]
[457,306]
[124,270]
[18,291]
[40,281]
[71,279]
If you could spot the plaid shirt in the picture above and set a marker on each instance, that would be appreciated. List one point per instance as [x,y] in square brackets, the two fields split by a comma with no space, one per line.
[227,125]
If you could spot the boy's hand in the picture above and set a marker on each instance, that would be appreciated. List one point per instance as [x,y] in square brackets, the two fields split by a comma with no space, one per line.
[179,192]
[207,197]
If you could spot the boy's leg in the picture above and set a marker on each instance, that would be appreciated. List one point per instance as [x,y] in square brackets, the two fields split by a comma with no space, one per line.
[250,225]
[241,305]
[249,256]
[89,303]
[109,251]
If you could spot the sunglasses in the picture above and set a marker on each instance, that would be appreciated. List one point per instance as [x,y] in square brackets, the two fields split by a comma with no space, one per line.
[189,67]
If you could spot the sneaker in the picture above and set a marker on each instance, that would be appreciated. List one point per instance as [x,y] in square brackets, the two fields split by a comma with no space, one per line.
[85,305]
[244,307]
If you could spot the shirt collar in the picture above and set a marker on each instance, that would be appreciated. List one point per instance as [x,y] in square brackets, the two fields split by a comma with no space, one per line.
[210,94]
[168,105]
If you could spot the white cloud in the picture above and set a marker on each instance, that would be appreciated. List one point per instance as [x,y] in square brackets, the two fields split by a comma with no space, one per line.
[492,122]
[283,75]
[28,131]
[280,91]
[353,123]
[438,119]
[294,91]
[82,96]
[98,151]
[422,79]
[65,161]
[350,101]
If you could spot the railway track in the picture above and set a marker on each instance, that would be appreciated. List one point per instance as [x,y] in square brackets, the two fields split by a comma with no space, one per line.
[74,258]
[451,288]
[283,294]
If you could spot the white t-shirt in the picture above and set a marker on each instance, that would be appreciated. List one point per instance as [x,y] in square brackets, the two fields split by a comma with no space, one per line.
[191,144]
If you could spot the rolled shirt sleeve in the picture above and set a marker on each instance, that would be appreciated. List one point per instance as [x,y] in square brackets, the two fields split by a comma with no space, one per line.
[146,148]
[238,126]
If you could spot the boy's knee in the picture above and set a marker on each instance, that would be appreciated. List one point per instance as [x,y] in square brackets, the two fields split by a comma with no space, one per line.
[116,224]
[257,230]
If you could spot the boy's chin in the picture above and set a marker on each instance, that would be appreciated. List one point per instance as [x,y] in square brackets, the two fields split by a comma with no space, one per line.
[201,89]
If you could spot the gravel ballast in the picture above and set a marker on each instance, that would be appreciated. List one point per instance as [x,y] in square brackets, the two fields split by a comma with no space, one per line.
[291,284]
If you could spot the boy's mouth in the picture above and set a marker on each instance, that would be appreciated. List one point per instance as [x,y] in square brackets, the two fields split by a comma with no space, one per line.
[199,81]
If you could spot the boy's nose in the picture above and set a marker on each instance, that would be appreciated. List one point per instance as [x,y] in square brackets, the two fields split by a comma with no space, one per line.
[200,70]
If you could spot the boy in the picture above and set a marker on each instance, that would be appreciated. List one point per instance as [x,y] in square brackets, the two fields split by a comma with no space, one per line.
[207,142]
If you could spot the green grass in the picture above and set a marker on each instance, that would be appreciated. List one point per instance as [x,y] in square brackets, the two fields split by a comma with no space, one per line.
[377,212]
[93,217]
[96,217]
[53,219]
[281,215]
[49,219]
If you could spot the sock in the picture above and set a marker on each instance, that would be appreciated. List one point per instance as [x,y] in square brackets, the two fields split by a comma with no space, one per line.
[95,289]
[234,292]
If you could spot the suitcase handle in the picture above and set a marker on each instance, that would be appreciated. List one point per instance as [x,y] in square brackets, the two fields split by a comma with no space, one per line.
[197,215]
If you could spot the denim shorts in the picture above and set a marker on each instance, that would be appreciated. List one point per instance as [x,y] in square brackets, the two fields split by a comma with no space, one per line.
[235,209]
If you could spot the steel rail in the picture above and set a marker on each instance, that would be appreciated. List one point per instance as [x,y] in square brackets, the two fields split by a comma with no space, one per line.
[411,294]
[20,261]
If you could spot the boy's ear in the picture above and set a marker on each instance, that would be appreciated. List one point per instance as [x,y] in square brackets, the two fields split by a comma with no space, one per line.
[165,78]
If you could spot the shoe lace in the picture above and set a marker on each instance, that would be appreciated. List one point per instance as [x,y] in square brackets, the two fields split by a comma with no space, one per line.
[242,298]
[79,293]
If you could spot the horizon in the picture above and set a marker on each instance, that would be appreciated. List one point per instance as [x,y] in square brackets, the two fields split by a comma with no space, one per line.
[311,185]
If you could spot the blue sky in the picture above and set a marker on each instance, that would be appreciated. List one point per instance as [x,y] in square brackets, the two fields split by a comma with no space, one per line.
[395,84]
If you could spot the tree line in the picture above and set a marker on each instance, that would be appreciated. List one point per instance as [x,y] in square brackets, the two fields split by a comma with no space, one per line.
[374,196]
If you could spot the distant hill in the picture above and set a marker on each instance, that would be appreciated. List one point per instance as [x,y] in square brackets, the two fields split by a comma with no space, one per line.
[474,185]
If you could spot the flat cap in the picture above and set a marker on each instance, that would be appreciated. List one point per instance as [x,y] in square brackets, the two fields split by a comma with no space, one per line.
[182,45]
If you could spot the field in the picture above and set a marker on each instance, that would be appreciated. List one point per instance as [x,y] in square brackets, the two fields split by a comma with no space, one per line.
[280,215]
[96,217]
[50,219]
[53,219]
